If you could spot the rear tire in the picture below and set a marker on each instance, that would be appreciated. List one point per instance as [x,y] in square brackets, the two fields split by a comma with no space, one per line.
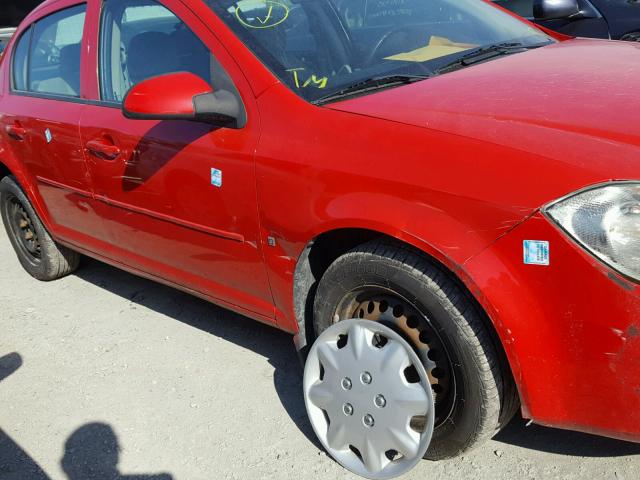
[37,252]
[484,396]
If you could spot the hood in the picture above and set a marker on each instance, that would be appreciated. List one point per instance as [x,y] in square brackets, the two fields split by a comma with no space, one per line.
[577,101]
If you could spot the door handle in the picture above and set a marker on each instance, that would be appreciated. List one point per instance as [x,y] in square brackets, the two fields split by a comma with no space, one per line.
[16,132]
[103,148]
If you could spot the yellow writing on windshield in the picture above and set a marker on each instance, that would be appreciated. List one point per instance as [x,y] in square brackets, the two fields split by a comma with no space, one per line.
[313,80]
[274,14]
[317,82]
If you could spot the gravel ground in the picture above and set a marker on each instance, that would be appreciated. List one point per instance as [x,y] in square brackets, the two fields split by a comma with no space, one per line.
[107,376]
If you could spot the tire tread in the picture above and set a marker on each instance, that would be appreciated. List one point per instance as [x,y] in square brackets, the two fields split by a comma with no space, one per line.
[498,399]
[57,260]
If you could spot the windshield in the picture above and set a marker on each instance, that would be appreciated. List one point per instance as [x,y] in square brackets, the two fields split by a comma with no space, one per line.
[320,47]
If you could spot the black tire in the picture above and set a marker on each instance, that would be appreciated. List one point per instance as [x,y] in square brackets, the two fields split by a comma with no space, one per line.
[38,253]
[485,396]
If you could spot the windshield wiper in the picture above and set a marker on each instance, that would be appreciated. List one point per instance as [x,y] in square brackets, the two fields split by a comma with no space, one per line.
[477,55]
[482,54]
[370,84]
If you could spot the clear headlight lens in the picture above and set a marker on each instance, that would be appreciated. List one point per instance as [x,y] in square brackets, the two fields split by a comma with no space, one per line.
[606,221]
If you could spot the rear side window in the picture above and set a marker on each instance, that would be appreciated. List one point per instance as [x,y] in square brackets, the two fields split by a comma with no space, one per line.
[141,39]
[48,56]
[20,61]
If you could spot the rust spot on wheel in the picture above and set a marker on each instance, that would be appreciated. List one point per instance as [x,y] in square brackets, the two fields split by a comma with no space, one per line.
[396,312]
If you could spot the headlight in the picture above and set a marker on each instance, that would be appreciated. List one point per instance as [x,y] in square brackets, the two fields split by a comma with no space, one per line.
[606,221]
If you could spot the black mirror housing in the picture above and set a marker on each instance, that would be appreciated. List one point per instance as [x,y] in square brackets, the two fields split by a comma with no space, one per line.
[221,108]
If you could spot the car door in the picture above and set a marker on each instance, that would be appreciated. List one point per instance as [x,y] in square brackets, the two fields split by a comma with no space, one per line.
[180,196]
[41,119]
[588,23]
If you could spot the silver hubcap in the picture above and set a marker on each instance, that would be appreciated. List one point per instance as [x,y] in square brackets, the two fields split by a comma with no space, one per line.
[361,395]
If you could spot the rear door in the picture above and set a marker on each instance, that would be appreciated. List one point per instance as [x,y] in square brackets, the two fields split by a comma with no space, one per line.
[42,114]
[180,196]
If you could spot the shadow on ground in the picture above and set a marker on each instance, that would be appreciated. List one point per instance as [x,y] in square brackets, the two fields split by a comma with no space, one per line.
[15,463]
[274,345]
[563,442]
[277,348]
[92,452]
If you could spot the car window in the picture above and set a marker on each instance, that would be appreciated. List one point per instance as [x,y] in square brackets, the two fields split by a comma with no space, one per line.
[47,58]
[524,8]
[300,38]
[141,39]
[20,61]
[321,47]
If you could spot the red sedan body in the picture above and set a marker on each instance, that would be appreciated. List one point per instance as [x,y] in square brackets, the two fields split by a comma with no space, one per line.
[458,166]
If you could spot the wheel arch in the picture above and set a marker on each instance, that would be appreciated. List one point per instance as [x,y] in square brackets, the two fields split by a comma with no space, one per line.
[4,171]
[325,248]
[10,167]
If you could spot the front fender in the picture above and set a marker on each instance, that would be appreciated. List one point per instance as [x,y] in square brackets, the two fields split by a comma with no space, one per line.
[570,329]
[328,170]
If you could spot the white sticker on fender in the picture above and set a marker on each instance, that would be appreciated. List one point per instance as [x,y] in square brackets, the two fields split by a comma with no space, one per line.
[536,252]
[216,177]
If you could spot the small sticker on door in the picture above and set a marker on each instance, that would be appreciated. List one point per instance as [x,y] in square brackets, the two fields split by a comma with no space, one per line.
[216,177]
[536,252]
[48,136]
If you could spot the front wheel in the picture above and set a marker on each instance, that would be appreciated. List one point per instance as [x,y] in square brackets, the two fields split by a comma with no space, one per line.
[37,252]
[473,391]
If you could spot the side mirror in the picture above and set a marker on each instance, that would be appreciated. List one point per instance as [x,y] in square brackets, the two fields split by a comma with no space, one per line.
[555,9]
[182,96]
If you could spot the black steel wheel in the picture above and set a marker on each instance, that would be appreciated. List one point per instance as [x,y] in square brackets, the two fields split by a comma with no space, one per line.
[21,228]
[37,252]
[390,308]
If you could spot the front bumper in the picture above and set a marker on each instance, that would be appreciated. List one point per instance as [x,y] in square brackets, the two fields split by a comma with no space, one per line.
[571,331]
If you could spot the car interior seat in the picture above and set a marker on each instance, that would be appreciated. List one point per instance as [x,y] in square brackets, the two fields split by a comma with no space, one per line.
[68,80]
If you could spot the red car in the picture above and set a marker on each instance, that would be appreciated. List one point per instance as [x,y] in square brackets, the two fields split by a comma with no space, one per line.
[443,169]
